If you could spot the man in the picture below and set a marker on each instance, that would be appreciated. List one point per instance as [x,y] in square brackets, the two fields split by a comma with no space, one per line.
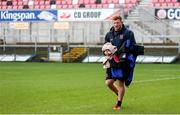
[122,64]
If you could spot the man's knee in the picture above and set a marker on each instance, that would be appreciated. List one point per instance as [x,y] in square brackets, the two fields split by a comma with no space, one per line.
[109,82]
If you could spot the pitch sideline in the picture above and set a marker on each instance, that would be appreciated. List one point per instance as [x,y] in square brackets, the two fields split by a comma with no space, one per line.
[153,80]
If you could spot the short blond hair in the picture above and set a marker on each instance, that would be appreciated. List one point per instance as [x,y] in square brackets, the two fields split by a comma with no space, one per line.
[117,18]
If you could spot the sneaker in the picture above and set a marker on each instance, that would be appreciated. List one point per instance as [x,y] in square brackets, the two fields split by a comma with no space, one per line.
[116,107]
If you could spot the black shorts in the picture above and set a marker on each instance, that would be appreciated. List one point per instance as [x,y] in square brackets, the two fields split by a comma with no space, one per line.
[108,74]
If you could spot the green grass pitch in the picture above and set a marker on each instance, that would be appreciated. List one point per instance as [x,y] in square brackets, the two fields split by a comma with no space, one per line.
[78,88]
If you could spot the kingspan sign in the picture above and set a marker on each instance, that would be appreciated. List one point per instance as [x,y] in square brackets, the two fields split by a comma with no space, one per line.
[28,15]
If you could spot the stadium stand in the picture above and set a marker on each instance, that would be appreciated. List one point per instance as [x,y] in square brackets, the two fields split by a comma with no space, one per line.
[64,4]
[68,4]
[165,3]
[75,54]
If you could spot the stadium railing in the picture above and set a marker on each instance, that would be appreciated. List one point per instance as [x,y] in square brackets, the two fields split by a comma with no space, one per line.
[31,52]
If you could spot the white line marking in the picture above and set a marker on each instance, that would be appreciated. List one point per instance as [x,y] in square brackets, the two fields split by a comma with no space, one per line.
[177,70]
[167,70]
[152,80]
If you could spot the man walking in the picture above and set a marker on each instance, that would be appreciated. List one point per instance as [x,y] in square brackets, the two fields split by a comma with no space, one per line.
[123,62]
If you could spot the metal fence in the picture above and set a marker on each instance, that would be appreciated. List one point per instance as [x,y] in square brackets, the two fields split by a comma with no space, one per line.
[31,52]
[78,32]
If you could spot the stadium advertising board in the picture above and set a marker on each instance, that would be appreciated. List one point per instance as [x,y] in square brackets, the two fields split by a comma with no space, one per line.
[61,25]
[86,14]
[168,13]
[28,15]
[19,25]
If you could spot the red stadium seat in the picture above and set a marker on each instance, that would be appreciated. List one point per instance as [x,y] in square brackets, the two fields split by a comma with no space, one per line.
[42,7]
[80,1]
[168,1]
[31,6]
[70,6]
[134,1]
[87,6]
[47,7]
[92,1]
[41,3]
[64,2]
[15,7]
[157,4]
[109,1]
[170,4]
[104,5]
[69,2]
[129,5]
[59,6]
[4,7]
[164,4]
[117,5]
[99,6]
[20,3]
[76,6]
[174,1]
[104,1]
[86,2]
[36,3]
[127,1]
[93,5]
[4,3]
[47,2]
[64,6]
[58,2]
[115,1]
[14,3]
[177,4]
[36,7]
[155,1]
[161,1]
[20,6]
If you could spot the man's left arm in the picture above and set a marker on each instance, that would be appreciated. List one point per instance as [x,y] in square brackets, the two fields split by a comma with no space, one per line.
[130,42]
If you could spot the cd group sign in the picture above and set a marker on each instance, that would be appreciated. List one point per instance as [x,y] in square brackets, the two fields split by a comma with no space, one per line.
[168,13]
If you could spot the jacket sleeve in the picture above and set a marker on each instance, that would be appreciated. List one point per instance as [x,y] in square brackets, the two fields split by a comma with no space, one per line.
[130,41]
[107,39]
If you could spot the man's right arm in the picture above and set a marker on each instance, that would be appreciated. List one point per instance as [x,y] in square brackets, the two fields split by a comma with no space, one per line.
[107,38]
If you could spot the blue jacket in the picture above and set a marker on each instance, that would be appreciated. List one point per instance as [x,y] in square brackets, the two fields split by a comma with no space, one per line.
[124,40]
[123,36]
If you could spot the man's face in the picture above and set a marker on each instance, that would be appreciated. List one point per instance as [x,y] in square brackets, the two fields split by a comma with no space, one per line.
[117,25]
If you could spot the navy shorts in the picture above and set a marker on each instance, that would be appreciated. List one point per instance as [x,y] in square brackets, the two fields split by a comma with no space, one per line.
[113,74]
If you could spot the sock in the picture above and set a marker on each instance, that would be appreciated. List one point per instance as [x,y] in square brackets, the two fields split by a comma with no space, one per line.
[119,103]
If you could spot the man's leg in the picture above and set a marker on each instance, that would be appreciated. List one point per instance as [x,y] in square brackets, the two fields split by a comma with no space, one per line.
[121,92]
[112,87]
